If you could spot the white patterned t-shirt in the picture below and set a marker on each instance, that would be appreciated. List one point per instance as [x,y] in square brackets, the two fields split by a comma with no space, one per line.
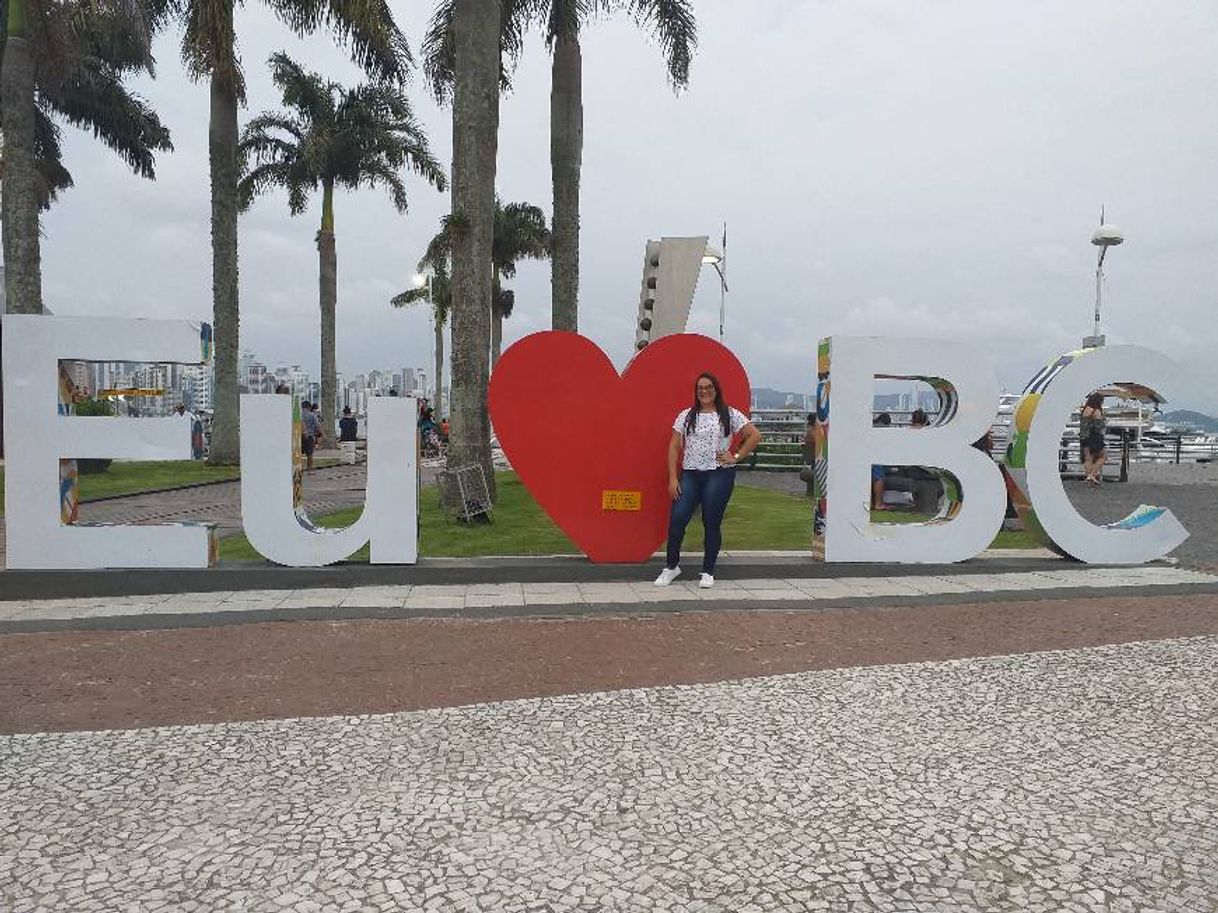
[708,438]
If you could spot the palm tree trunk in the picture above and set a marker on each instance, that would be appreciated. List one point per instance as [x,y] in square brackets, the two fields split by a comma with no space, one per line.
[22,257]
[328,295]
[440,413]
[496,337]
[566,155]
[222,155]
[475,145]
[496,322]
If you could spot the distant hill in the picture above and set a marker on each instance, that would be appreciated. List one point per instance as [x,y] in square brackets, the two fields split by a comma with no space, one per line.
[765,398]
[1187,418]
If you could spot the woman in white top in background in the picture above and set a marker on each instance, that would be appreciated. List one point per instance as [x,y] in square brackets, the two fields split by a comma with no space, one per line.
[708,472]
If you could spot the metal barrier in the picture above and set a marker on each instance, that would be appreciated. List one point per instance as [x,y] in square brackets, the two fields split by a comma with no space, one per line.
[782,446]
[464,494]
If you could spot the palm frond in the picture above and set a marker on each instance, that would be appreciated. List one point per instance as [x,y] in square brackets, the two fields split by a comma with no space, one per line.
[261,178]
[120,32]
[259,138]
[367,27]
[94,98]
[310,95]
[209,44]
[53,177]
[439,249]
[438,52]
[674,25]
[409,297]
[377,174]
[439,56]
[521,233]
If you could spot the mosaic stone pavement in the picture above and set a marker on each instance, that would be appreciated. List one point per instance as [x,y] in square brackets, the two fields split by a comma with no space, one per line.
[1072,781]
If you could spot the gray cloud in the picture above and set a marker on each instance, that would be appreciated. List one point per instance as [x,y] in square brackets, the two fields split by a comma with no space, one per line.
[924,170]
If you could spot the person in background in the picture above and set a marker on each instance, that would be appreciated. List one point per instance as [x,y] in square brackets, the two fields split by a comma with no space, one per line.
[347,426]
[321,428]
[1091,429]
[918,419]
[310,429]
[883,420]
[708,472]
[444,430]
[427,422]
[429,434]
[194,428]
[808,454]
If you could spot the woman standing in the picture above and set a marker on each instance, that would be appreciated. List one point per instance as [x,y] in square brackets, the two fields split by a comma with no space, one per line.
[1091,428]
[708,472]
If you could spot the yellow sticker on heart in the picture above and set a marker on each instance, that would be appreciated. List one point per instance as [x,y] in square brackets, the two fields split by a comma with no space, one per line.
[621,500]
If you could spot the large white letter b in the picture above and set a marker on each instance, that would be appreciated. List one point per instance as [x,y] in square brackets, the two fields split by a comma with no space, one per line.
[854,446]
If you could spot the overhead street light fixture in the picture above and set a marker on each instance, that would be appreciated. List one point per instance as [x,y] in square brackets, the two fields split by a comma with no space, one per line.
[716,257]
[1105,236]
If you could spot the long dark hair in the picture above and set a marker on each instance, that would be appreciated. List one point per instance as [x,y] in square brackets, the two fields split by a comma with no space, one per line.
[725,418]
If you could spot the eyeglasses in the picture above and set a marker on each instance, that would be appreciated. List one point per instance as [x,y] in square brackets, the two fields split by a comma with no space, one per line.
[705,389]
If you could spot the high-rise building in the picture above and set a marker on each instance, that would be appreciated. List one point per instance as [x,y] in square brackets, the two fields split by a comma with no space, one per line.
[245,363]
[81,375]
[198,388]
[301,383]
[256,379]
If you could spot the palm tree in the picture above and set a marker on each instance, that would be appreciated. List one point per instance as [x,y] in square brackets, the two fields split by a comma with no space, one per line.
[475,37]
[340,137]
[673,24]
[439,292]
[66,61]
[520,234]
[209,48]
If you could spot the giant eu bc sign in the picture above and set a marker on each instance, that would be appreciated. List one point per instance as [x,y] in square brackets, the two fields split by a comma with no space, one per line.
[587,442]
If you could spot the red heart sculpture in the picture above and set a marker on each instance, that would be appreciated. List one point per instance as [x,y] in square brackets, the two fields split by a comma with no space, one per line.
[573,429]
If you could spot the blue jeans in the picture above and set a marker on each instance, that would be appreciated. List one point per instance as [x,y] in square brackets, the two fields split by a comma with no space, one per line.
[709,489]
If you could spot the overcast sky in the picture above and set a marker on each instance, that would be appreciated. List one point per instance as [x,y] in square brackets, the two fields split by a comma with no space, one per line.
[888,168]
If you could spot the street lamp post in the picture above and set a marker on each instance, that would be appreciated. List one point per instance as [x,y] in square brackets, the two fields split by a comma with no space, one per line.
[1105,236]
[716,257]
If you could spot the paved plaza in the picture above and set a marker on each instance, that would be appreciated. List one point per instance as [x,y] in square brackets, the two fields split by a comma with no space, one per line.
[1083,781]
[1013,733]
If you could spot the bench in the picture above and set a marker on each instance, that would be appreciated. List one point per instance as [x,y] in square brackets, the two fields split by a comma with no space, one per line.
[925,488]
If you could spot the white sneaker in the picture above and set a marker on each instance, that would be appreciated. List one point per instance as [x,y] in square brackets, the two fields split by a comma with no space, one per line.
[706,581]
[668,575]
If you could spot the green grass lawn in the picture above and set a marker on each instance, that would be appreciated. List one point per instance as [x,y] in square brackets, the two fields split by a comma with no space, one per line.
[130,478]
[757,518]
[123,478]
